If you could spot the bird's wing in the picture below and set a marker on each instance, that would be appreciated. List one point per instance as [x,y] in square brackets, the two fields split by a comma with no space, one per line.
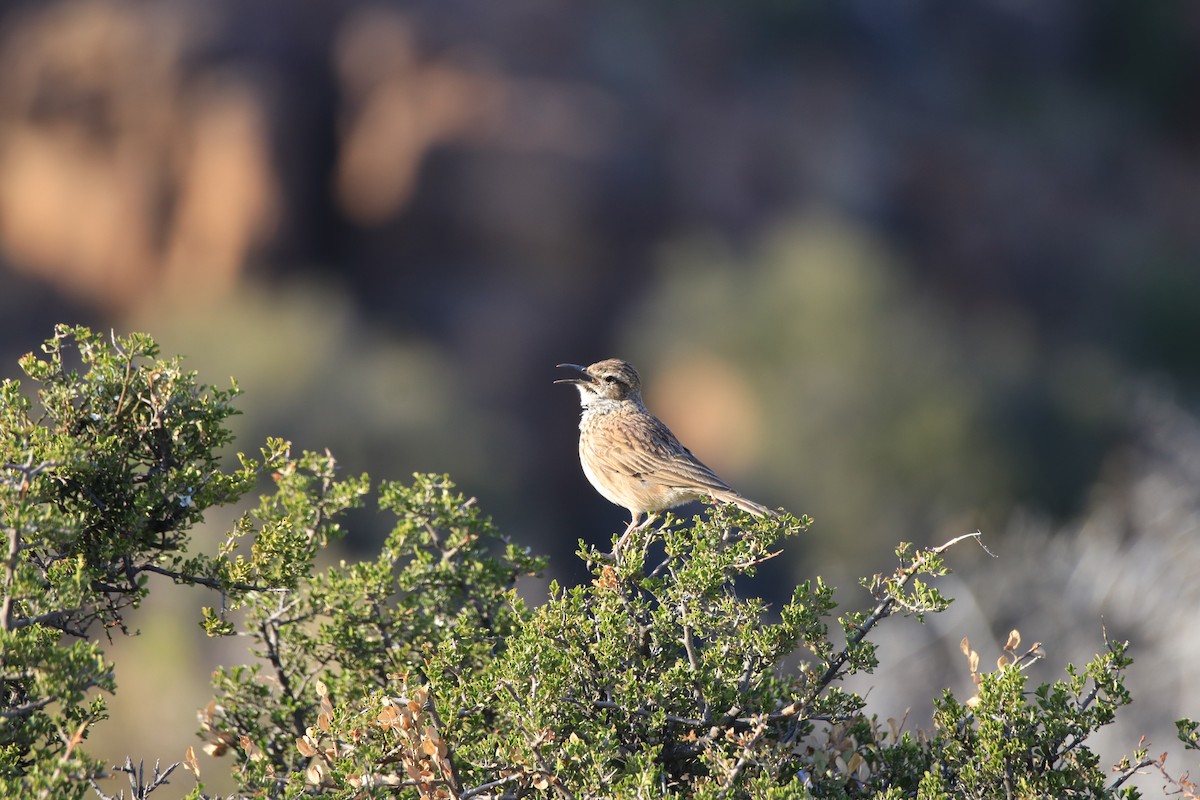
[651,451]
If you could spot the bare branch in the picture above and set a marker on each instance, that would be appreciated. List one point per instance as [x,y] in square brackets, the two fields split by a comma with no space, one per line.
[25,709]
[10,571]
[211,583]
[483,787]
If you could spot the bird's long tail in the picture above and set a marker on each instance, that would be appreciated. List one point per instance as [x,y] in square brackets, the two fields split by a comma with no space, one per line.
[748,506]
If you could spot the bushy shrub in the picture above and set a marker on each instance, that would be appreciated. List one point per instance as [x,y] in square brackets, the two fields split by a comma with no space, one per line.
[421,673]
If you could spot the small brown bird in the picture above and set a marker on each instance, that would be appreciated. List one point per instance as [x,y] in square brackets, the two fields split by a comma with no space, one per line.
[633,459]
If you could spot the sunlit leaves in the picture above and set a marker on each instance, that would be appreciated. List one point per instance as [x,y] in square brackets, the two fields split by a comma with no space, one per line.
[421,673]
[1031,743]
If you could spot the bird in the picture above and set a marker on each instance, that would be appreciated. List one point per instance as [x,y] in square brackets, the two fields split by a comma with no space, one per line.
[630,457]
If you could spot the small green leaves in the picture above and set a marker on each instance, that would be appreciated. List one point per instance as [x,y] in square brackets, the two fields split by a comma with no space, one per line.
[215,624]
[1031,743]
[104,474]
[1188,731]
[421,673]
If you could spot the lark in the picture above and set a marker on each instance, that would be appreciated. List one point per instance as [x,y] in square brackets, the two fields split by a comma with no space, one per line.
[630,457]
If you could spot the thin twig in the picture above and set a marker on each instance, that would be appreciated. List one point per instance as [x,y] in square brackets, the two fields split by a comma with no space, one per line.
[25,709]
[744,758]
[10,571]
[483,787]
[534,743]
[754,562]
[28,473]
[689,646]
[270,637]
[211,583]
[455,778]
[883,609]
[1131,771]
[125,380]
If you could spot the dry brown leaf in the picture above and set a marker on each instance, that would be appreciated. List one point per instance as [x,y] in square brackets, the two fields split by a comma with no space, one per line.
[190,763]
[215,749]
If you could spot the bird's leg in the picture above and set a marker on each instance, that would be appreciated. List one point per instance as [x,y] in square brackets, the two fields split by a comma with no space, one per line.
[634,524]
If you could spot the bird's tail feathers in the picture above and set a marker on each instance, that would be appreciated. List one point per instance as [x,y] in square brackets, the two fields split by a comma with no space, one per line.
[749,506]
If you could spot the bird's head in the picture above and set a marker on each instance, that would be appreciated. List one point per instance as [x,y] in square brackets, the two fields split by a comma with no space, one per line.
[612,379]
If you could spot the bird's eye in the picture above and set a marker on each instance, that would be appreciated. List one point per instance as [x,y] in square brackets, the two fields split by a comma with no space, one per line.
[610,379]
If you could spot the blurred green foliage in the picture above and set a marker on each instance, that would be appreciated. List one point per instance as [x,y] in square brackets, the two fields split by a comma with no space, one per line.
[887,411]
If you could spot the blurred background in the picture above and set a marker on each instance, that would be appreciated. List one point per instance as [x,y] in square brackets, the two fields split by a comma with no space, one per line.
[914,269]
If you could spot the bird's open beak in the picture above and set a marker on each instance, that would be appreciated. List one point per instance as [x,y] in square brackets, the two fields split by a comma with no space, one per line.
[582,377]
